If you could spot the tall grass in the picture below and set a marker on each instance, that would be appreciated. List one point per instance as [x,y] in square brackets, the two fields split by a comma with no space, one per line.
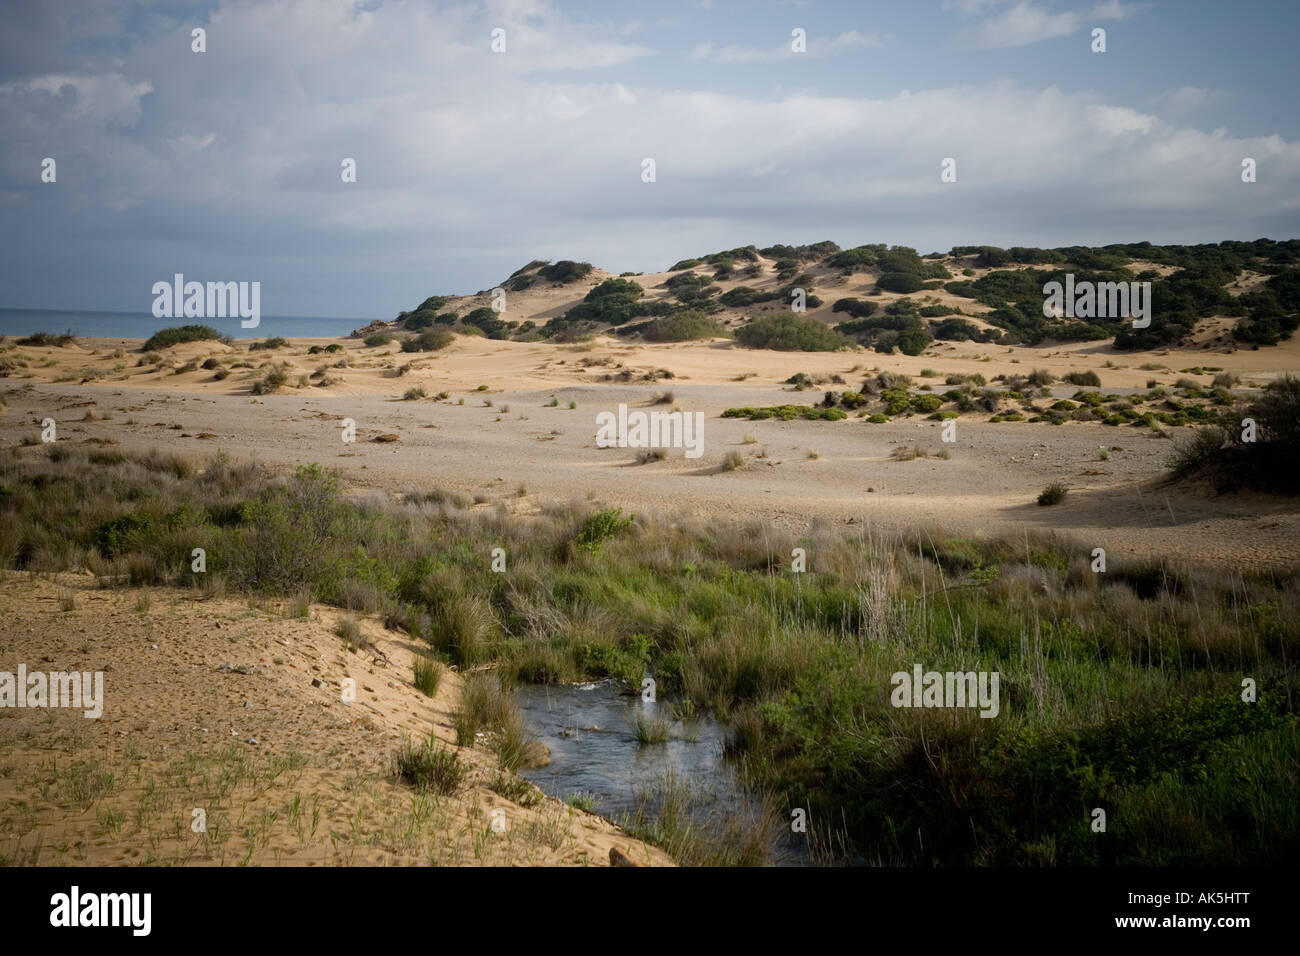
[1120,689]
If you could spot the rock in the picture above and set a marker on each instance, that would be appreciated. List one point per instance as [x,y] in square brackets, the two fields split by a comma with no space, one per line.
[317,682]
[618,858]
[373,327]
[387,438]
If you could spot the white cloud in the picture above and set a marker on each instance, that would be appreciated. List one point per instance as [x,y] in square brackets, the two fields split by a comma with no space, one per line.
[472,163]
[1188,99]
[816,49]
[1030,22]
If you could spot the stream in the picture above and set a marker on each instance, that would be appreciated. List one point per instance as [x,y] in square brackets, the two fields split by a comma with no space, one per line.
[591,732]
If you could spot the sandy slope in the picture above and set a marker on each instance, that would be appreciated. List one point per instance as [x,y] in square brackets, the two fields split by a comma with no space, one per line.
[210,704]
[989,484]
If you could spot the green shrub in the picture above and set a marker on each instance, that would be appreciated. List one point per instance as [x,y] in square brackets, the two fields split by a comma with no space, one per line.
[1084,378]
[377,339]
[430,340]
[858,308]
[904,282]
[565,271]
[789,333]
[165,338]
[271,382]
[682,326]
[429,768]
[47,339]
[602,526]
[787,413]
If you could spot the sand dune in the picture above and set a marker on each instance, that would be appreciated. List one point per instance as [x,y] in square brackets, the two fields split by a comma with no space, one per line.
[211,705]
[515,428]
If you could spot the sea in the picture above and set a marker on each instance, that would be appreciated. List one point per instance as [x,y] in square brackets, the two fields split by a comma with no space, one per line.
[141,325]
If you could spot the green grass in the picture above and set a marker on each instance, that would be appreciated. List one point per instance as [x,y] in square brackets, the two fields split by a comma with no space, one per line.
[428,675]
[429,768]
[1119,690]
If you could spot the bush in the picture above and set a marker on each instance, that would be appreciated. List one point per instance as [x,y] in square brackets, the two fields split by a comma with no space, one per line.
[429,768]
[682,327]
[858,308]
[272,381]
[273,343]
[904,282]
[789,333]
[46,339]
[1277,411]
[430,340]
[1084,378]
[602,526]
[565,271]
[956,330]
[743,295]
[165,338]
[786,413]
[913,341]
[1193,453]
[1053,494]
[377,339]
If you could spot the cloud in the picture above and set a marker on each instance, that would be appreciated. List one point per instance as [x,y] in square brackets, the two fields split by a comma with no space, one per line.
[1188,99]
[816,49]
[226,164]
[1028,22]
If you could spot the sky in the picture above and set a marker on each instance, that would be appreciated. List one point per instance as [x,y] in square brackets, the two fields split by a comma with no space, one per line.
[226,165]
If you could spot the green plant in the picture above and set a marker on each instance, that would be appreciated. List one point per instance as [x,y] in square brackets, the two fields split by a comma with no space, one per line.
[429,768]
[427,675]
[165,338]
[601,526]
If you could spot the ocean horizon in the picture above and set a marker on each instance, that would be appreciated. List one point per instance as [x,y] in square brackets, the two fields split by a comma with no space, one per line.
[141,325]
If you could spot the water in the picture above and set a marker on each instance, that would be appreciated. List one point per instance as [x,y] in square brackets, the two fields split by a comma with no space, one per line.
[141,325]
[591,732]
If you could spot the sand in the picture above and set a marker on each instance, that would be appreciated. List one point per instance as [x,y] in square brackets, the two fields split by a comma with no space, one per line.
[211,702]
[210,705]
[508,446]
